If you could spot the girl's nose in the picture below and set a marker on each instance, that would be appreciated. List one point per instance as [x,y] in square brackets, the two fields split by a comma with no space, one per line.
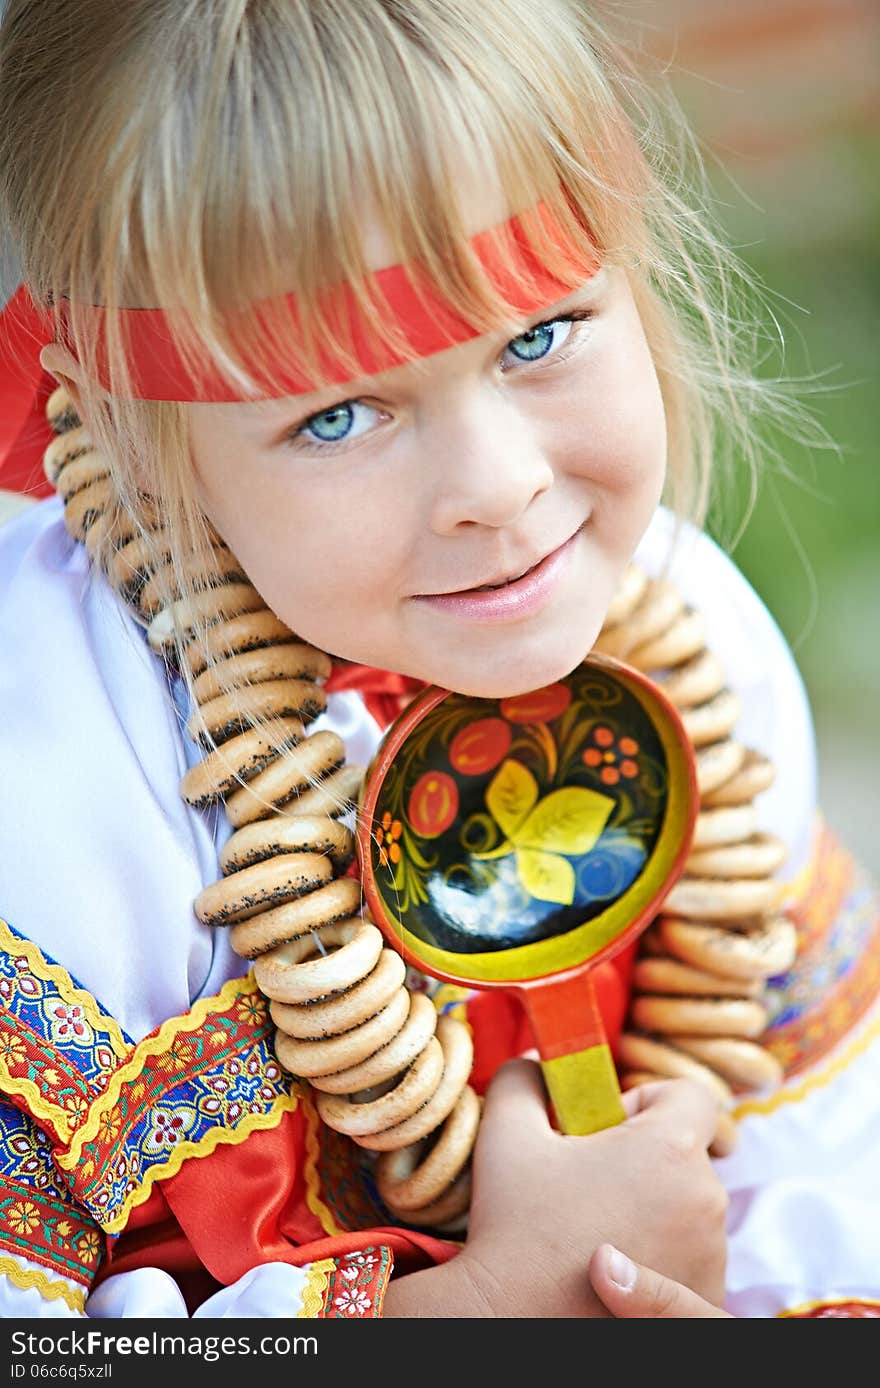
[487,468]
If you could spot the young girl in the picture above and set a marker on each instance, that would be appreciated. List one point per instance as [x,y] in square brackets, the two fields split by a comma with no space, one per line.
[358,311]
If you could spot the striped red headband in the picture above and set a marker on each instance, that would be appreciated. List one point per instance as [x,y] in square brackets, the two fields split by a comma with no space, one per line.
[407,297]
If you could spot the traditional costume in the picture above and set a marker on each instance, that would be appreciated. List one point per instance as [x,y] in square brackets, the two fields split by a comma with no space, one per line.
[158,1160]
[153,1150]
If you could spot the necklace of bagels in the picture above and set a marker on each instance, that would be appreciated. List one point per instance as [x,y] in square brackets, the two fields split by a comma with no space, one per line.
[386,1070]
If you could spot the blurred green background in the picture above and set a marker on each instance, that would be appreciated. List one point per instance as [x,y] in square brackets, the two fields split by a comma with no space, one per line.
[784,97]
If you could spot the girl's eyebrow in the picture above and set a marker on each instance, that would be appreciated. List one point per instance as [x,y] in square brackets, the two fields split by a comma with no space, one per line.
[314,402]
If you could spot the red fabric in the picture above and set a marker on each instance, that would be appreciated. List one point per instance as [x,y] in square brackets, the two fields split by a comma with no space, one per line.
[243,1205]
[154,1238]
[24,389]
[404,297]
[383,691]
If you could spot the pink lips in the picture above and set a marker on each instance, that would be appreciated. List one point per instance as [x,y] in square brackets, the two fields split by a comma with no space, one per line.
[514,600]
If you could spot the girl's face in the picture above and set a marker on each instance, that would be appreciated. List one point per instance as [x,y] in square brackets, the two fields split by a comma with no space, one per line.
[360,510]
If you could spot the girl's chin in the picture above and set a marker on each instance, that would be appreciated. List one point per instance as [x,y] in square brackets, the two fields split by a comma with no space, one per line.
[519,677]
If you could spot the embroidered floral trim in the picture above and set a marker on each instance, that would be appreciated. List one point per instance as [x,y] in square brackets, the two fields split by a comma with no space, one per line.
[836,976]
[793,1094]
[43,969]
[205,1079]
[56,1045]
[50,1288]
[49,1231]
[201,1080]
[357,1285]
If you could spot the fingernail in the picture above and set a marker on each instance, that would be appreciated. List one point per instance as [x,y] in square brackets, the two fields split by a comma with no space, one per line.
[621,1270]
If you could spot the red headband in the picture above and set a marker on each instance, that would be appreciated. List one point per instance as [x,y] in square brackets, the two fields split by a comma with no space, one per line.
[429,324]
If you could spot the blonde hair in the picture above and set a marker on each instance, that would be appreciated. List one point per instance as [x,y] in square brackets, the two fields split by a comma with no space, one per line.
[200,155]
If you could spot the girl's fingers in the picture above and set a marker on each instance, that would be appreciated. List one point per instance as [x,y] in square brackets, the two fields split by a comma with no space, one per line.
[685,1106]
[630,1291]
[517,1096]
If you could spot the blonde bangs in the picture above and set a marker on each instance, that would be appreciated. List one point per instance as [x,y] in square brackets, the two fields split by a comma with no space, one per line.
[266,194]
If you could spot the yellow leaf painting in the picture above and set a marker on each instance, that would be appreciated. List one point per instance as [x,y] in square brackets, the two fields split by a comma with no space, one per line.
[546,875]
[510,795]
[566,821]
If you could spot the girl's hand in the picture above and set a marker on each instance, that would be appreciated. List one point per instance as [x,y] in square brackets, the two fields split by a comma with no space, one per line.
[632,1292]
[544,1202]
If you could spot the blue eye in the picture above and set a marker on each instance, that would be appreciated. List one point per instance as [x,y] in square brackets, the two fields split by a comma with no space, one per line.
[541,340]
[338,423]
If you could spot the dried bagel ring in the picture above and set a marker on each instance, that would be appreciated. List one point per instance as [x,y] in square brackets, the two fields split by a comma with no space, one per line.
[110,532]
[336,901]
[294,660]
[228,713]
[724,899]
[729,824]
[758,856]
[313,1057]
[163,585]
[756,774]
[284,833]
[658,609]
[662,974]
[628,594]
[446,1213]
[280,783]
[458,1057]
[134,554]
[743,1017]
[643,1053]
[237,760]
[762,952]
[712,721]
[744,1065]
[81,471]
[209,606]
[62,451]
[288,974]
[395,1056]
[61,411]
[716,763]
[337,793]
[362,1118]
[254,889]
[684,639]
[249,631]
[634,1079]
[337,1014]
[695,682]
[404,1190]
[83,510]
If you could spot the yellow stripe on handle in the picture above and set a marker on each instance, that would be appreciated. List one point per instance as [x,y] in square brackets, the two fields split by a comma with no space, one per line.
[575,1057]
[584,1090]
